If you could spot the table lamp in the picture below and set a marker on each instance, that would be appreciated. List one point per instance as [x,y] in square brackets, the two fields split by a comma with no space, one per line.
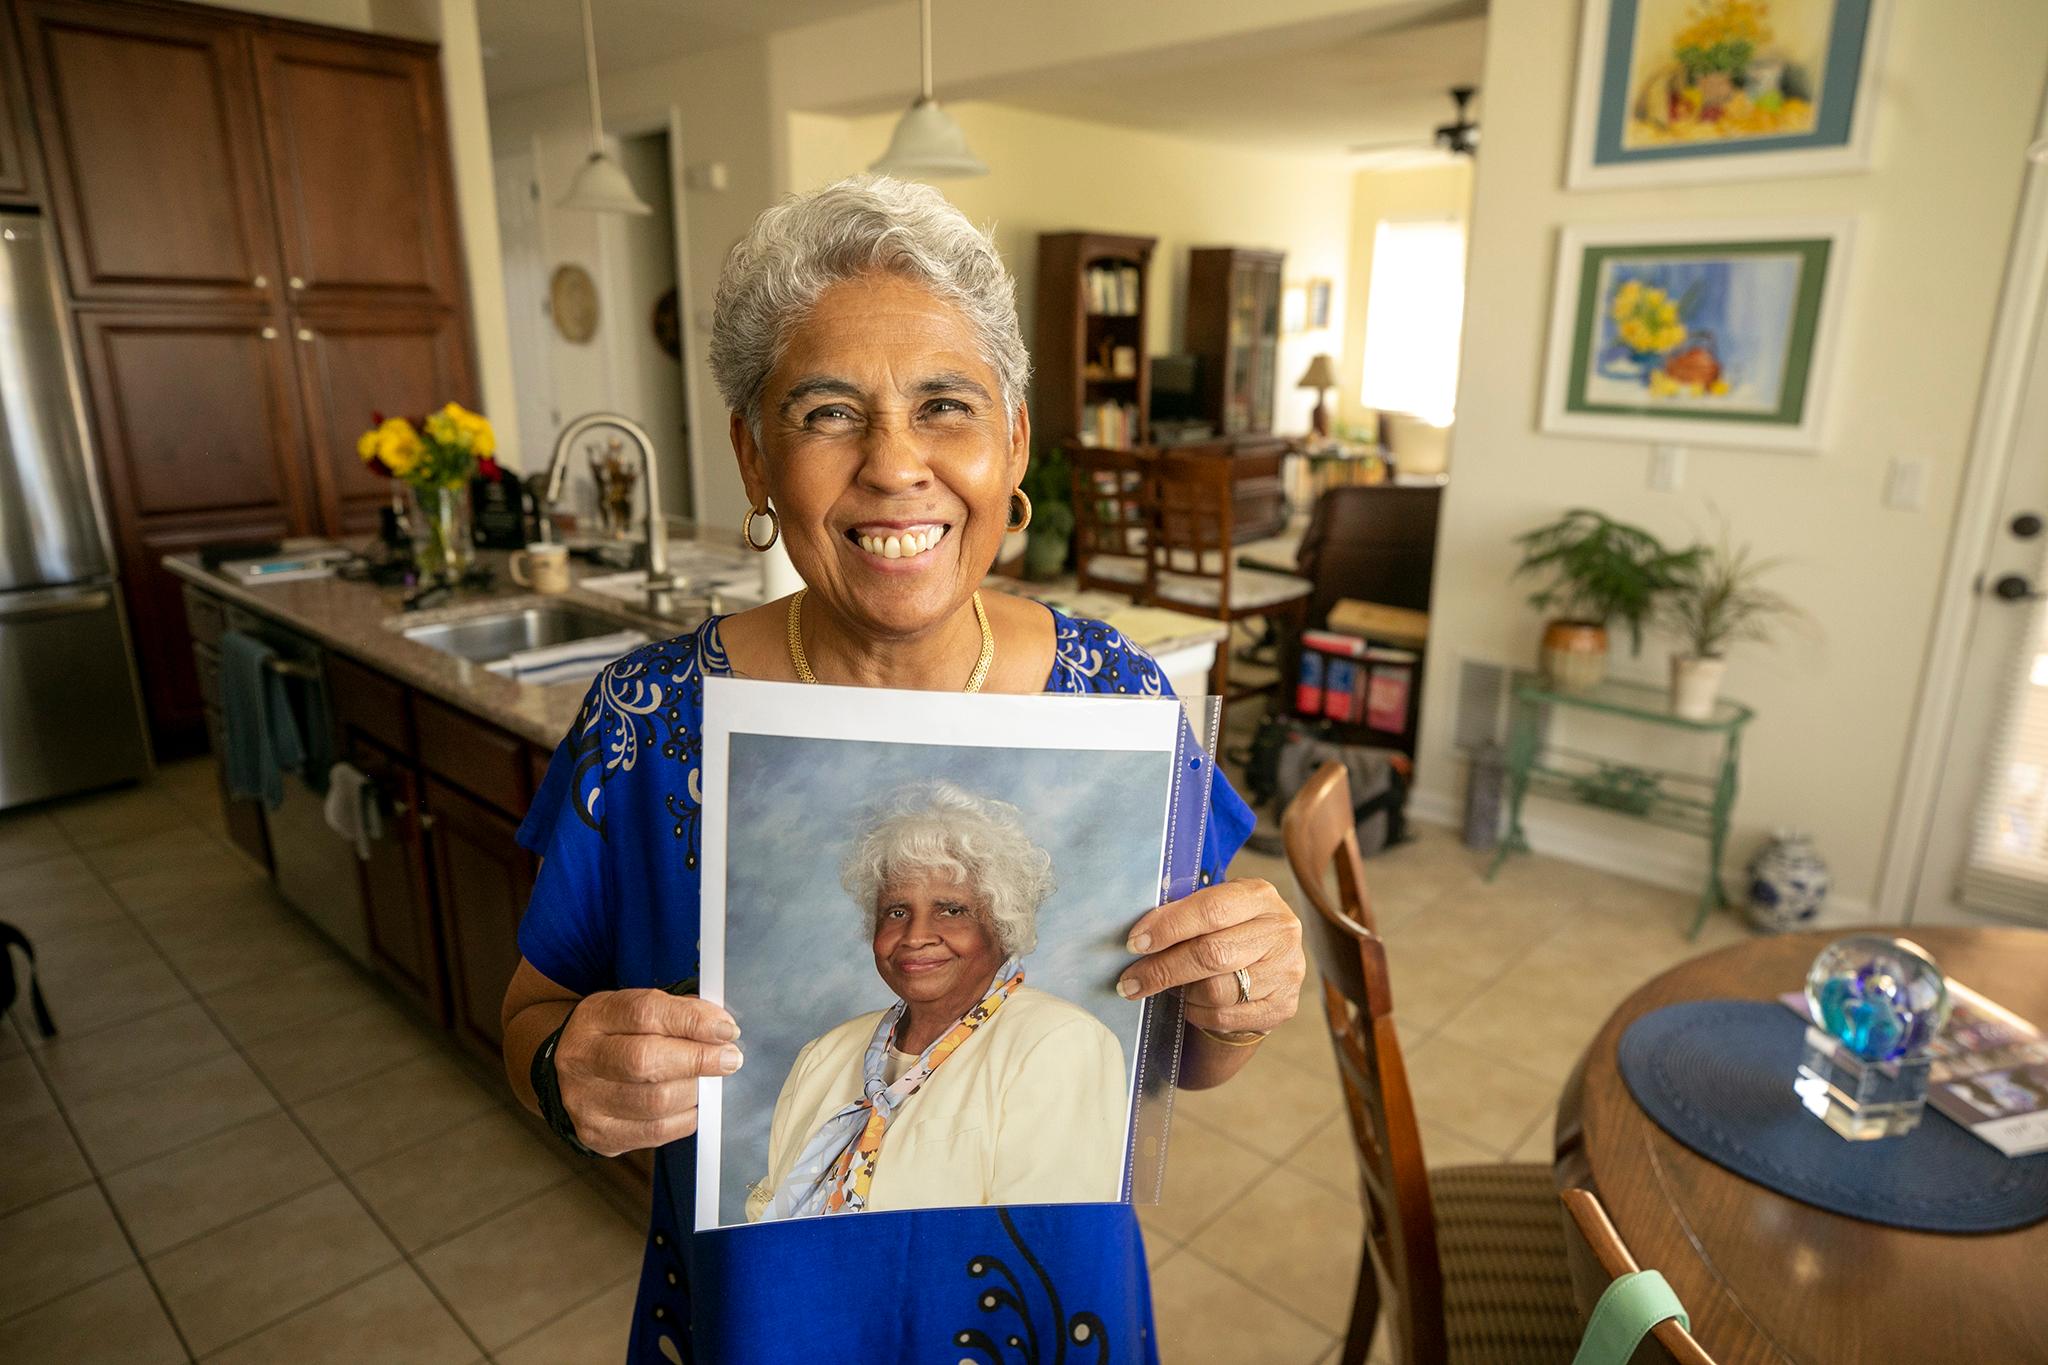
[1322,375]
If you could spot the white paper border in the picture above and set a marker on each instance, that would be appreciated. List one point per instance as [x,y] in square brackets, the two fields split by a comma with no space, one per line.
[810,711]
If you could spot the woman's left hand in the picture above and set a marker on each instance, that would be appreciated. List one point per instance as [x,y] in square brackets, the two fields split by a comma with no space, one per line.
[1201,941]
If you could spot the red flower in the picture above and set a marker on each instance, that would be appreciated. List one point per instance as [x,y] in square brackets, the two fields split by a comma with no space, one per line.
[488,467]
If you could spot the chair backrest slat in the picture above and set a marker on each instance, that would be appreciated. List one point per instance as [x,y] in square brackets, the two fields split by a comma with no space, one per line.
[1321,839]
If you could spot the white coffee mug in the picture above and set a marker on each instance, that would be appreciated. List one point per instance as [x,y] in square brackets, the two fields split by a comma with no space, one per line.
[550,564]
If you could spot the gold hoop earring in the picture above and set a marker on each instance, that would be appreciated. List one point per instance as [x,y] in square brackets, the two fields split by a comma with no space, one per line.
[1018,520]
[774,529]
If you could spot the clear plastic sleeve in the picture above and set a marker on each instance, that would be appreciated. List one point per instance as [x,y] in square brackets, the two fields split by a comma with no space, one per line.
[1159,1046]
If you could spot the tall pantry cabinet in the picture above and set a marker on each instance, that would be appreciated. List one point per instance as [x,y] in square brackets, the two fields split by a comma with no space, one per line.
[259,240]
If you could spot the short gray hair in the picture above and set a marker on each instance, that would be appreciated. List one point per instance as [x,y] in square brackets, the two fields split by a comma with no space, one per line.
[976,840]
[809,242]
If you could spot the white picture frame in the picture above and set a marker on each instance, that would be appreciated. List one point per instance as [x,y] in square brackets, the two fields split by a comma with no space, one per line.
[925,724]
[1589,166]
[1578,402]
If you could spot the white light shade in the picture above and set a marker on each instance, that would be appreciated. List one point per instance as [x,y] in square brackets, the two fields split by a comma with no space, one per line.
[602,187]
[928,145]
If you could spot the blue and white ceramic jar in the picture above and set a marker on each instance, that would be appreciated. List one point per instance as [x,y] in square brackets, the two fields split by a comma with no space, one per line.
[1788,881]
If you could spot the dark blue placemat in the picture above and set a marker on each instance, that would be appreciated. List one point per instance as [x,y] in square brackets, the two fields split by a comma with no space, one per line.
[1717,1075]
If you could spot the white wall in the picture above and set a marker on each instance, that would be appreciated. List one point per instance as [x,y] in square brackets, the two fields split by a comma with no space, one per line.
[1050,174]
[1957,102]
[719,100]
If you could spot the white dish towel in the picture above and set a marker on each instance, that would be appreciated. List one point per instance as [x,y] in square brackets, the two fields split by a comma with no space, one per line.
[351,807]
[567,662]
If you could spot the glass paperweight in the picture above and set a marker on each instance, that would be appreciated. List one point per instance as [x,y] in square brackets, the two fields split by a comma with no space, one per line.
[1877,1003]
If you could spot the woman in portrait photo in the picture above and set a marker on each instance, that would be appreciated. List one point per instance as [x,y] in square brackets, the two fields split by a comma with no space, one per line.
[973,1088]
[865,342]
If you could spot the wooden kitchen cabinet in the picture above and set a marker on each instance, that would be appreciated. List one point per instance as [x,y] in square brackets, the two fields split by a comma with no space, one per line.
[260,251]
[482,879]
[20,182]
[398,905]
[356,142]
[353,362]
[196,423]
[153,151]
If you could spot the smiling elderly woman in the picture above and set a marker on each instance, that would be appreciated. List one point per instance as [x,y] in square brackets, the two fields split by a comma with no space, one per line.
[987,1090]
[865,341]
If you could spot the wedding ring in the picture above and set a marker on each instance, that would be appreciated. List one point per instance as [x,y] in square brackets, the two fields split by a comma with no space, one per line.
[1244,986]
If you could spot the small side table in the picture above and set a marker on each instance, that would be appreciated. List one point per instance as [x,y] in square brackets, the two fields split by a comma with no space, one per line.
[1677,800]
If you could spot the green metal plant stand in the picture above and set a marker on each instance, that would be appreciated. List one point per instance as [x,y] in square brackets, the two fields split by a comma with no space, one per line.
[1675,799]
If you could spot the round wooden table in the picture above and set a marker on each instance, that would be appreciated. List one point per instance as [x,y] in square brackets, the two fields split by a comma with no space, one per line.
[1769,1279]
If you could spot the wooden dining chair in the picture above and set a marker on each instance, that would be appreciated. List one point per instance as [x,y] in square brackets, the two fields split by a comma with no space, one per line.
[1113,509]
[1467,1261]
[1598,1257]
[1194,553]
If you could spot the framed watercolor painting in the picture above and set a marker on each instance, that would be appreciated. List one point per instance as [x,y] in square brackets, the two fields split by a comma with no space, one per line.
[1709,333]
[1685,91]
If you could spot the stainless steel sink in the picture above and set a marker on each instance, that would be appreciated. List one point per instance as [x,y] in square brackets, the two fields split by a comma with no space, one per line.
[490,636]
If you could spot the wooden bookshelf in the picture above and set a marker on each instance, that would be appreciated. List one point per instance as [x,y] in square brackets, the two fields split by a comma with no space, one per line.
[1233,324]
[1093,292]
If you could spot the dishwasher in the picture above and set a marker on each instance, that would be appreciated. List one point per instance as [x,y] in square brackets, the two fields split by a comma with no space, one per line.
[314,868]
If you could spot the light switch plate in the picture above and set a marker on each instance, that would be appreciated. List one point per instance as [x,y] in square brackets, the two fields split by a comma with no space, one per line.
[1905,485]
[1667,467]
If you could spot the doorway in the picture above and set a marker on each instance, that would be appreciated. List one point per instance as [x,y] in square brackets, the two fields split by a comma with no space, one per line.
[630,360]
[1987,846]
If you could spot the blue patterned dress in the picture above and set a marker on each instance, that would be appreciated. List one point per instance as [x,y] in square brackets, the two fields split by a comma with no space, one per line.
[617,823]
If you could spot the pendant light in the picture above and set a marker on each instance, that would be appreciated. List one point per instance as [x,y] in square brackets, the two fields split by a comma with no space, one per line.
[601,186]
[927,144]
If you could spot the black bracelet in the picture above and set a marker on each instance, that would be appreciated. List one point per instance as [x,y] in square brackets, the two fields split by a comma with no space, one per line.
[547,1088]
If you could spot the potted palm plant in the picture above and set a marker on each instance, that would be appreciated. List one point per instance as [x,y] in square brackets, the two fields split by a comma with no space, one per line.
[1597,570]
[1719,601]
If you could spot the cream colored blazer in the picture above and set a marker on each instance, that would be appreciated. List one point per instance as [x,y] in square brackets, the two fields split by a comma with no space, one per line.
[1030,1110]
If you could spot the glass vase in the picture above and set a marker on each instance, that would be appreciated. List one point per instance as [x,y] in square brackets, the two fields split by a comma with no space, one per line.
[441,543]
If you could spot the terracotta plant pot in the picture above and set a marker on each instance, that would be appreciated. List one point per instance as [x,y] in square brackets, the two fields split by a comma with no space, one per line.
[1695,685]
[1575,655]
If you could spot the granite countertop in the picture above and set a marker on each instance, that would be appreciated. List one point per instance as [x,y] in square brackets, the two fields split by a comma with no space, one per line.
[362,621]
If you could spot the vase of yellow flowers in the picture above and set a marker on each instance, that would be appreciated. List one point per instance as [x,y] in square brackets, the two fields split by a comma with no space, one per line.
[434,460]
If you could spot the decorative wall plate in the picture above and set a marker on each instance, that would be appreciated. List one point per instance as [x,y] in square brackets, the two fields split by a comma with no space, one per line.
[572,302]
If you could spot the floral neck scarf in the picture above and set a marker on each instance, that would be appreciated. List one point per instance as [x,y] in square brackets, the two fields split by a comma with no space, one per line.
[838,1164]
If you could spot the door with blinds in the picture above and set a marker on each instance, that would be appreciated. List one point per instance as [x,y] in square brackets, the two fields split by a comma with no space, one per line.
[1987,849]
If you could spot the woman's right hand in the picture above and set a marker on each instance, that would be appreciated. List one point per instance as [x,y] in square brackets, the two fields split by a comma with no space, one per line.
[627,1066]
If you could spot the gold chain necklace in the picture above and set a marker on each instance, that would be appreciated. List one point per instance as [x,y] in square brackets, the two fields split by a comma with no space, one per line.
[803,664]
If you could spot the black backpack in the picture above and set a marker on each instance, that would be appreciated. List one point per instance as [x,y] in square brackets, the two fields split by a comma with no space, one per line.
[10,939]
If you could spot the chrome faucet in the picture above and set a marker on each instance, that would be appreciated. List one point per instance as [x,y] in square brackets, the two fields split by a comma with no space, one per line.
[659,579]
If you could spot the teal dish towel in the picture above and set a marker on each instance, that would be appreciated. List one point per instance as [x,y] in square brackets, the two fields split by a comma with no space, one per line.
[263,741]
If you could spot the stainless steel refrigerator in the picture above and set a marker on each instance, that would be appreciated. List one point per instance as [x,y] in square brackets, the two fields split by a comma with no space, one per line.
[70,710]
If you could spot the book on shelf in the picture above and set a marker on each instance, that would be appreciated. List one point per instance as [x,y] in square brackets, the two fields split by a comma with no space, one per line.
[1113,426]
[1112,290]
[1988,1071]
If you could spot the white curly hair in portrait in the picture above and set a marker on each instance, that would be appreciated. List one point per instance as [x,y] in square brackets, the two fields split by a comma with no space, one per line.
[809,242]
[976,840]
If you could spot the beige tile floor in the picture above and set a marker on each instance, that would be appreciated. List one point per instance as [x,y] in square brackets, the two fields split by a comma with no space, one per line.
[240,1150]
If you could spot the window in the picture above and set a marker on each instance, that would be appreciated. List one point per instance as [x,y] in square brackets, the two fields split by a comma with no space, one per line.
[1413,314]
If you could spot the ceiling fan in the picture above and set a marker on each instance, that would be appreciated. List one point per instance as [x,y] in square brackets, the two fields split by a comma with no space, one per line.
[1460,137]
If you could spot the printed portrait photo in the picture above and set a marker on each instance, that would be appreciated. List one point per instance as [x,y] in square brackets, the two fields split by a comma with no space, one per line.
[921,943]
